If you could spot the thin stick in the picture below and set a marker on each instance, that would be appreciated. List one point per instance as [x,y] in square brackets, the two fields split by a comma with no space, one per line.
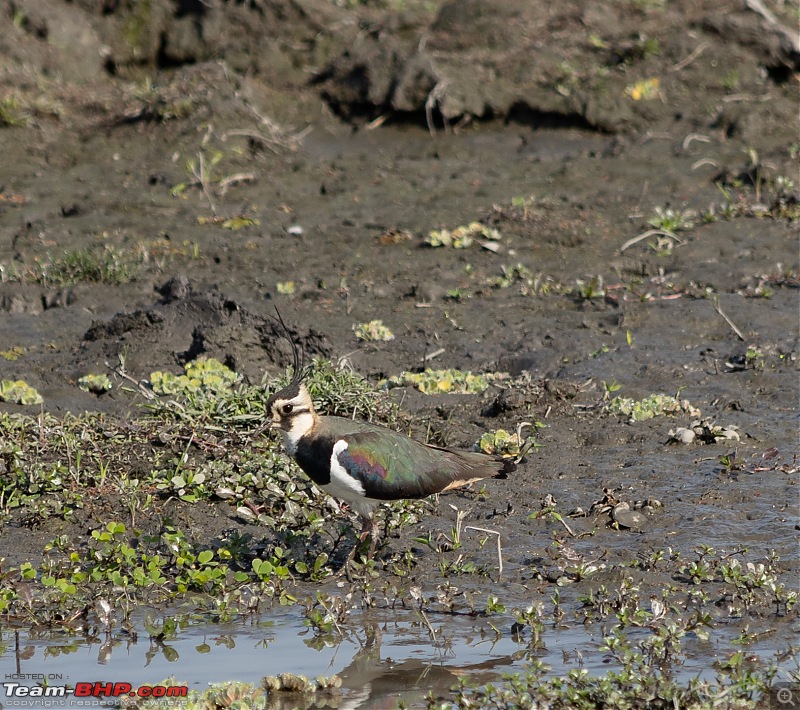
[431,630]
[695,137]
[704,161]
[567,527]
[499,548]
[332,617]
[377,122]
[758,6]
[202,177]
[694,55]
[235,179]
[147,394]
[432,355]
[650,233]
[728,320]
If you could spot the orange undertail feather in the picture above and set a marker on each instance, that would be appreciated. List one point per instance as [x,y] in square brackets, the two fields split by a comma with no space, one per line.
[508,467]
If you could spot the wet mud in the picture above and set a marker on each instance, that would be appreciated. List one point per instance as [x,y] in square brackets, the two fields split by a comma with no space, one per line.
[639,166]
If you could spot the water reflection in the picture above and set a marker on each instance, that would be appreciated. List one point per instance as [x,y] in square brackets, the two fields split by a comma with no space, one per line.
[386,657]
[374,679]
[388,660]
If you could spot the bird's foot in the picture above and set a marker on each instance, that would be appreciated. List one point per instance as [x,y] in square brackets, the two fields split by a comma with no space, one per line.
[367,531]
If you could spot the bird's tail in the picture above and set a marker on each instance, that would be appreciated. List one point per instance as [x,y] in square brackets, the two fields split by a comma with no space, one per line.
[508,466]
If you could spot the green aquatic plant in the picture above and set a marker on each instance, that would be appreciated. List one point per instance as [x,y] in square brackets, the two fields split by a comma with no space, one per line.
[373,332]
[653,406]
[461,237]
[96,384]
[500,442]
[644,90]
[19,392]
[203,375]
[13,354]
[450,381]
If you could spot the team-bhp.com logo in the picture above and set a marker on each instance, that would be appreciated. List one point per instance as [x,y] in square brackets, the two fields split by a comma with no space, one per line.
[21,692]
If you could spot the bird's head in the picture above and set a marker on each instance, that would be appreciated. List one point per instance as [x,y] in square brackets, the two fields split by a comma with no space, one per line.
[292,412]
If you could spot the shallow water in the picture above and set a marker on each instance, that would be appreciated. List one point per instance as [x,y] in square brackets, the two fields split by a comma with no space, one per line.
[392,658]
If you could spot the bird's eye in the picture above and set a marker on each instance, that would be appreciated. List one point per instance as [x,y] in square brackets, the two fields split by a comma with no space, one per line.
[287,408]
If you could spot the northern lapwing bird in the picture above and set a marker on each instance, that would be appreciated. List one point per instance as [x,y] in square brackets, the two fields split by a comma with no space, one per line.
[365,464]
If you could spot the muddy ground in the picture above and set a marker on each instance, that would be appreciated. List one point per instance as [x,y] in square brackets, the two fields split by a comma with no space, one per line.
[170,174]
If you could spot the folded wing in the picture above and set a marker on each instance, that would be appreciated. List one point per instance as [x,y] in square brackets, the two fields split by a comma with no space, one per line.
[391,466]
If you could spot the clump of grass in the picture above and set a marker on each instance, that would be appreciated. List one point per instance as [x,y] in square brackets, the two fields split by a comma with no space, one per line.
[211,392]
[108,265]
[234,224]
[511,275]
[529,283]
[671,220]
[162,103]
[342,392]
[590,290]
[11,114]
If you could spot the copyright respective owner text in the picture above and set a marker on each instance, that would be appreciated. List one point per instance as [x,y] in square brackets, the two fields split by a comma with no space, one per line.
[784,695]
[50,693]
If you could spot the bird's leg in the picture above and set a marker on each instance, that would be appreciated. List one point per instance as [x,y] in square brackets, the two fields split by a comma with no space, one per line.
[367,530]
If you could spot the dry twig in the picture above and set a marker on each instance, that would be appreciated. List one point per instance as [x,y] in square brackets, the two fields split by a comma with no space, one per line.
[499,548]
[728,320]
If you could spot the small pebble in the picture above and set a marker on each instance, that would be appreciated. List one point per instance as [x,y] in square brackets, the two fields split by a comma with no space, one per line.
[618,508]
[629,519]
[683,435]
[246,514]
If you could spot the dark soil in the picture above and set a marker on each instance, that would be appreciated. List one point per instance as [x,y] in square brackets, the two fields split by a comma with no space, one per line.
[339,139]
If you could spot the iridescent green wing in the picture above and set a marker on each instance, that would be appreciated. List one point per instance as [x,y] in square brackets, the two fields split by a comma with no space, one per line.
[391,466]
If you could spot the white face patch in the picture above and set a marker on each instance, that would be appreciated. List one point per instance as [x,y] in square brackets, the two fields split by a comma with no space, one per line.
[301,425]
[343,485]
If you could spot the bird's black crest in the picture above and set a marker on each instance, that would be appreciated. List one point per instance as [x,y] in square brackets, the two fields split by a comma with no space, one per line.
[289,392]
[299,369]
